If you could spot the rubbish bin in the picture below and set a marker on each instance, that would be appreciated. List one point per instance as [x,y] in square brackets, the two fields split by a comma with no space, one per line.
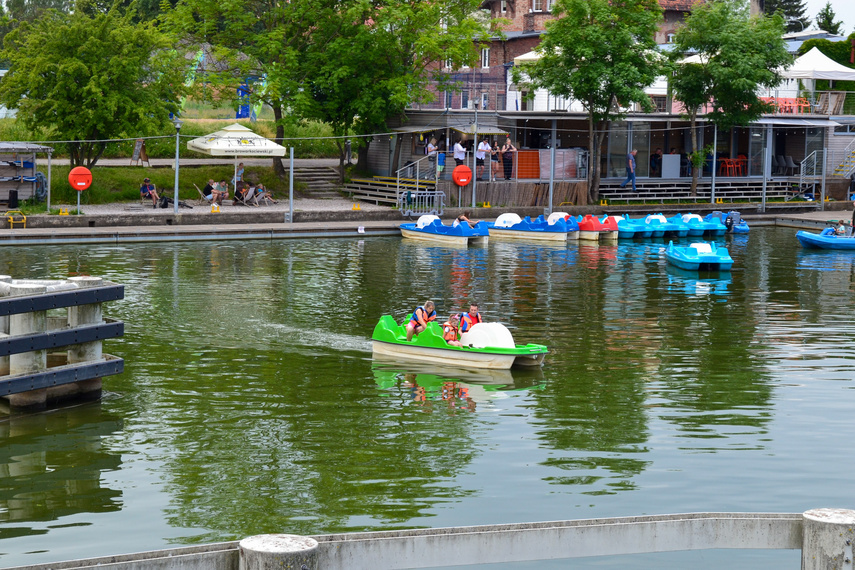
[13,199]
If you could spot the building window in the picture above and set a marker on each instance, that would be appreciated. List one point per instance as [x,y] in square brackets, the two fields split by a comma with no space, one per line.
[549,5]
[500,101]
[448,99]
[485,100]
[504,6]
[670,38]
[464,100]
[659,102]
[448,64]
[537,5]
[485,58]
[844,129]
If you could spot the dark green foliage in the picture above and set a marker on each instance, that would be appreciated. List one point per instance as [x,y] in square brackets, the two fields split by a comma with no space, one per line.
[792,11]
[91,78]
[825,20]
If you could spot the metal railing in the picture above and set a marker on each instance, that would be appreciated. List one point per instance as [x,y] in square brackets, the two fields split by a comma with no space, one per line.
[845,161]
[421,202]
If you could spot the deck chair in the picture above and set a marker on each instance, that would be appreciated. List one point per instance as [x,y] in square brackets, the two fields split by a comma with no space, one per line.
[792,167]
[822,104]
[202,199]
[249,198]
[835,103]
[781,166]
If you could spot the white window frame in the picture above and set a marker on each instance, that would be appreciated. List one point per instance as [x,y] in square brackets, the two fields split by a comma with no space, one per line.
[503,6]
[485,58]
[537,5]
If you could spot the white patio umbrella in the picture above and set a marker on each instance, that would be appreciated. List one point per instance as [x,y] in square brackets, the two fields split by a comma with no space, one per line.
[236,141]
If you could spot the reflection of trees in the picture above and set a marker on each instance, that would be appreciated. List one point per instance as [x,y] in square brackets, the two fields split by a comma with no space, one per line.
[313,446]
[51,465]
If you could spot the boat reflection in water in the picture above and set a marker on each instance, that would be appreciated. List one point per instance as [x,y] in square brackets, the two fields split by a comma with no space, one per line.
[455,388]
[688,282]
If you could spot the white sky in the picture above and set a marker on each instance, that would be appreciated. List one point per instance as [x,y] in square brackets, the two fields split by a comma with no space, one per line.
[844,10]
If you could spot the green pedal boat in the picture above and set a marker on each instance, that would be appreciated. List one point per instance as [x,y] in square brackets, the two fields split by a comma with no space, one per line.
[486,345]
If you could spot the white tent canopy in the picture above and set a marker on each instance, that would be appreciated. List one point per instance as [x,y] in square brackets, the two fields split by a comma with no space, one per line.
[816,65]
[236,140]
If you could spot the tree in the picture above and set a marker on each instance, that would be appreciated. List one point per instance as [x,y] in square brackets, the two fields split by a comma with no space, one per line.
[90,79]
[352,63]
[825,20]
[792,11]
[736,56]
[603,54]
[403,41]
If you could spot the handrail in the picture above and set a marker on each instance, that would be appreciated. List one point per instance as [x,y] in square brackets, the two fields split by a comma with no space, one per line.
[808,168]
[846,165]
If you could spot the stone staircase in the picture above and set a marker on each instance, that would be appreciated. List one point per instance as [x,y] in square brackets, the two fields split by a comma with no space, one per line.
[320,181]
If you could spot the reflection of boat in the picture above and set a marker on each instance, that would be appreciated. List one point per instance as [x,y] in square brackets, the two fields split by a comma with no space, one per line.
[732,220]
[430,228]
[699,256]
[689,283]
[486,345]
[457,386]
[825,240]
[558,227]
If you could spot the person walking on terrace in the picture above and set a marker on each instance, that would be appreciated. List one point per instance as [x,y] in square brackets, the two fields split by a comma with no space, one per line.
[630,170]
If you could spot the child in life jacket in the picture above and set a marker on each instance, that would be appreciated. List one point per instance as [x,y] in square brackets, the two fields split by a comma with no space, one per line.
[421,317]
[450,330]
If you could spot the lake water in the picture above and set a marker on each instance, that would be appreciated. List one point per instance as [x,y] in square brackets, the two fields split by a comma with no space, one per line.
[250,402]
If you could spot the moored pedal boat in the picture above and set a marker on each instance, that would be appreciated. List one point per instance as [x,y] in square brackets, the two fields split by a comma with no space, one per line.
[732,220]
[486,345]
[430,228]
[555,228]
[594,229]
[699,256]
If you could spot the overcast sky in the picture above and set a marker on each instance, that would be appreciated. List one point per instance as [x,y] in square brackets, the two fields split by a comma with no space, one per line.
[844,9]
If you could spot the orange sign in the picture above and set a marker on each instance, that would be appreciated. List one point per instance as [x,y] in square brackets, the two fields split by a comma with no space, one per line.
[461,175]
[80,178]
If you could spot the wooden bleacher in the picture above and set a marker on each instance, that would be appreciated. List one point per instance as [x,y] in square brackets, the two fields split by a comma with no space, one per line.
[728,189]
[384,189]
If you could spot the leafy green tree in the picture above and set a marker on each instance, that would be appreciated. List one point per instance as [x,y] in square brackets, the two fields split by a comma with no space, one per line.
[402,41]
[352,63]
[603,54]
[736,55]
[89,79]
[792,11]
[825,20]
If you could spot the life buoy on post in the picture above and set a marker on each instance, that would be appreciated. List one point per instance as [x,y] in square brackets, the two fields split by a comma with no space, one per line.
[461,175]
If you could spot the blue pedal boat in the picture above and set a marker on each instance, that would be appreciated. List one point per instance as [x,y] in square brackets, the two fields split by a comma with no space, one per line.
[703,256]
[713,227]
[828,239]
[558,227]
[430,228]
[732,220]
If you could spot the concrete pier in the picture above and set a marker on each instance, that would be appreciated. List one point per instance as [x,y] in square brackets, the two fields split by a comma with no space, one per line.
[32,324]
[828,537]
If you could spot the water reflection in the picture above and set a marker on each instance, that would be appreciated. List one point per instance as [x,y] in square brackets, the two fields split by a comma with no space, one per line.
[695,283]
[51,465]
[457,388]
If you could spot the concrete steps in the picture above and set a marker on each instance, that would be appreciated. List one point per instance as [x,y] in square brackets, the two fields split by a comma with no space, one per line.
[320,181]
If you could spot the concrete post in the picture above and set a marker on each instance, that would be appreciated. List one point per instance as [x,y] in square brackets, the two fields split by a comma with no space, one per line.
[86,351]
[21,324]
[827,540]
[277,551]
[4,327]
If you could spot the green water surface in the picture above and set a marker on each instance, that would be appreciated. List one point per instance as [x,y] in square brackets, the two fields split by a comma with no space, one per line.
[250,402]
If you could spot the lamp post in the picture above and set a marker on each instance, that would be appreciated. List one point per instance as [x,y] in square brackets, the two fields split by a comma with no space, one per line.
[177,122]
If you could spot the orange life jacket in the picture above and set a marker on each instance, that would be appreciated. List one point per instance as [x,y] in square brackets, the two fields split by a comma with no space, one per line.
[467,320]
[449,331]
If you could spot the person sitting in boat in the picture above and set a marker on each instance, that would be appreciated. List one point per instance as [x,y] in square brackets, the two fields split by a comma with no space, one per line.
[841,228]
[420,318]
[473,317]
[463,218]
[450,330]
